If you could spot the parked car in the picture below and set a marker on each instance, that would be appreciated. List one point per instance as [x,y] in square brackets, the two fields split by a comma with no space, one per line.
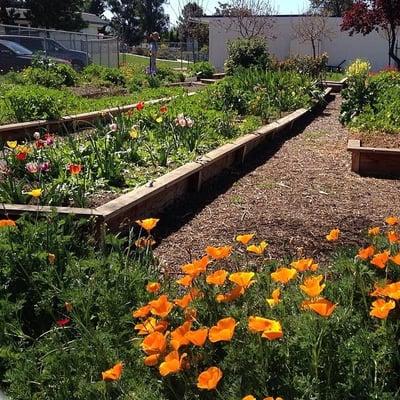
[51,48]
[14,57]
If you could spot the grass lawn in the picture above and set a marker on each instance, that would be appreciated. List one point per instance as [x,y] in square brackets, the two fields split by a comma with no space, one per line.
[335,76]
[143,62]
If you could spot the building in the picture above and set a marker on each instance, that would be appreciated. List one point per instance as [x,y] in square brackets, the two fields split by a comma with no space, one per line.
[283,41]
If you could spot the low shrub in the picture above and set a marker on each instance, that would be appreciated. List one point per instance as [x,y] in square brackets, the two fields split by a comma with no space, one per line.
[53,77]
[314,67]
[202,69]
[246,53]
[104,74]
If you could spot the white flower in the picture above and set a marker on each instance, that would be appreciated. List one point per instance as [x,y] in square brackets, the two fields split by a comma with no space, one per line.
[36,135]
[113,127]
[189,122]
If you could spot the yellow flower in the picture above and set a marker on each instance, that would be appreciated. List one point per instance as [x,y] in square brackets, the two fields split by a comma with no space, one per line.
[12,144]
[35,193]
[134,133]
[333,235]
[242,279]
[159,120]
[276,294]
[147,224]
[312,286]
[257,249]
[244,239]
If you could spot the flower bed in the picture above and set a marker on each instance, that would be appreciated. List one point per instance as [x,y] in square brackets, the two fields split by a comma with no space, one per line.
[93,167]
[235,324]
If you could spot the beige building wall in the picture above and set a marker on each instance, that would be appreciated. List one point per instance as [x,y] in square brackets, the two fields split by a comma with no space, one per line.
[283,43]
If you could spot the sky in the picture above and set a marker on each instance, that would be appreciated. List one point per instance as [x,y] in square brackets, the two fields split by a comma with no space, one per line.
[174,7]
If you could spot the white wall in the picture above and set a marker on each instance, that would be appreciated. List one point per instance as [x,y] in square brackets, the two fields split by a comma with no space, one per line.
[282,42]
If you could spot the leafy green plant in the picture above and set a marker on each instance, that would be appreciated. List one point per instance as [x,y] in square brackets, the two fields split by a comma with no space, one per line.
[202,69]
[313,67]
[105,74]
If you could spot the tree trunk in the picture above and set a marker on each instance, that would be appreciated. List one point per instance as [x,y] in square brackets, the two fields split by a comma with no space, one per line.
[392,47]
[313,49]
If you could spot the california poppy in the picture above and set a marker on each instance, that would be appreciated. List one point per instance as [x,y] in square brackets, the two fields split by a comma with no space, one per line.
[185,280]
[148,224]
[257,249]
[271,398]
[393,237]
[184,301]
[249,397]
[171,363]
[321,306]
[217,278]
[333,235]
[312,286]
[153,287]
[178,336]
[381,308]
[379,260]
[392,220]
[374,231]
[244,239]
[258,324]
[223,331]
[151,325]
[242,279]
[142,312]
[209,378]
[197,337]
[152,360]
[161,306]
[273,331]
[366,253]
[113,374]
[304,264]
[275,298]
[154,343]
[218,253]
[283,275]
[395,258]
[7,223]
[196,267]
[391,290]
[236,292]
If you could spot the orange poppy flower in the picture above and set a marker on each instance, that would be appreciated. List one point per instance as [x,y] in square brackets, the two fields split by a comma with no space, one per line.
[321,306]
[381,308]
[161,306]
[184,301]
[283,275]
[393,290]
[393,237]
[312,286]
[196,267]
[249,397]
[198,337]
[242,279]
[185,281]
[379,260]
[236,292]
[147,224]
[273,331]
[153,287]
[271,398]
[113,374]
[257,249]
[152,360]
[209,378]
[374,231]
[396,259]
[218,253]
[178,336]
[142,312]
[392,220]
[333,235]
[151,325]
[223,331]
[7,223]
[172,363]
[154,343]
[75,169]
[366,253]
[244,239]
[304,264]
[276,295]
[258,324]
[217,278]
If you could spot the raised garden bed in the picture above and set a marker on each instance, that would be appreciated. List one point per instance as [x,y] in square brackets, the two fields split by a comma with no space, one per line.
[154,197]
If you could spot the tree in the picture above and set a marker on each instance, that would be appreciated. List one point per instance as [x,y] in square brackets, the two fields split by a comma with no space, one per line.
[96,7]
[57,14]
[313,28]
[188,28]
[8,12]
[244,17]
[133,20]
[375,15]
[332,8]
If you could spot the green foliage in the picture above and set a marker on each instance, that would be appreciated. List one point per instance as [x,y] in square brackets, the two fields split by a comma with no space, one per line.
[202,69]
[245,53]
[104,74]
[313,67]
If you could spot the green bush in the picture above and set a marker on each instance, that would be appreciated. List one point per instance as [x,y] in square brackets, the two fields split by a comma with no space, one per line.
[105,74]
[245,53]
[202,69]
[314,67]
[55,76]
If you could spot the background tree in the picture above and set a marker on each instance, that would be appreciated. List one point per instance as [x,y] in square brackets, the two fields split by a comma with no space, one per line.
[245,17]
[57,14]
[313,28]
[375,15]
[8,12]
[96,7]
[187,28]
[332,8]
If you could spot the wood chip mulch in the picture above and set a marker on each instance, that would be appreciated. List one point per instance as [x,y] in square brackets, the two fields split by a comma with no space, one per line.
[291,196]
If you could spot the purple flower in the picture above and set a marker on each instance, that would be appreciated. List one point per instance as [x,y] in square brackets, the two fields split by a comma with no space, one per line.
[32,167]
[44,166]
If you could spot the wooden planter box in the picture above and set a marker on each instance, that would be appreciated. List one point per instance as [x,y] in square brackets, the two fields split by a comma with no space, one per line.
[152,199]
[374,161]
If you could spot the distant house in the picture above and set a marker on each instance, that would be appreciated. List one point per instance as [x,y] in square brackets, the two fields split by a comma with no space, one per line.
[283,43]
[95,24]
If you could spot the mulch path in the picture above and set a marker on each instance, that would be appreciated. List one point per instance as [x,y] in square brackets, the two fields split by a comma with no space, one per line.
[291,194]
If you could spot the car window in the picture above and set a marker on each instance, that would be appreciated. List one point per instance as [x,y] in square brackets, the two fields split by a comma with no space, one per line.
[32,44]
[54,46]
[16,48]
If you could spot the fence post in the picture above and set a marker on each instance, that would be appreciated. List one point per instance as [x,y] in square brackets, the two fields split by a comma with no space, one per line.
[87,50]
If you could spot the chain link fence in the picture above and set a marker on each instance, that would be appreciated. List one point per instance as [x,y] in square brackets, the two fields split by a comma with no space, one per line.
[102,50]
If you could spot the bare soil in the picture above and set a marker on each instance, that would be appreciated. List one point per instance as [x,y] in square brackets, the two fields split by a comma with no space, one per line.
[378,139]
[291,194]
